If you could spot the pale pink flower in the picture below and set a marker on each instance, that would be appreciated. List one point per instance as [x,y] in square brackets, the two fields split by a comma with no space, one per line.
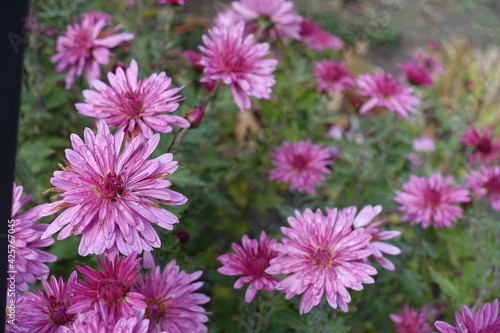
[485,148]
[333,76]
[171,302]
[415,160]
[97,321]
[416,73]
[47,312]
[431,200]
[233,58]
[276,19]
[423,143]
[136,106]
[29,263]
[110,197]
[111,288]
[486,183]
[335,132]
[322,255]
[383,90]
[365,219]
[485,320]
[85,47]
[302,164]
[318,39]
[411,320]
[251,260]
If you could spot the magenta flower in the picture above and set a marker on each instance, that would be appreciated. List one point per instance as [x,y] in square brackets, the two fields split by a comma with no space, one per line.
[47,312]
[423,143]
[172,304]
[416,73]
[110,197]
[411,320]
[485,148]
[25,258]
[431,200]
[383,90]
[251,261]
[302,164]
[275,19]
[429,62]
[318,39]
[365,219]
[85,46]
[485,320]
[333,76]
[135,106]
[322,255]
[111,288]
[486,183]
[233,58]
[172,2]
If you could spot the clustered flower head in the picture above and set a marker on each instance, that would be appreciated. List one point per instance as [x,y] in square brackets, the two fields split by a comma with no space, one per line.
[411,320]
[302,164]
[486,149]
[136,106]
[333,76]
[485,183]
[171,302]
[383,90]
[85,47]
[110,198]
[233,58]
[29,263]
[485,320]
[251,260]
[431,201]
[322,255]
[318,39]
[274,19]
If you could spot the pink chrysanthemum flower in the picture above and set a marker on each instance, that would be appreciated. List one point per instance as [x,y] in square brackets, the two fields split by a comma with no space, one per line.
[431,200]
[47,312]
[85,46]
[333,76]
[322,255]
[485,320]
[302,164]
[423,143]
[429,62]
[111,288]
[411,320]
[172,304]
[365,219]
[486,183]
[485,148]
[233,58]
[276,19]
[416,73]
[97,321]
[251,261]
[383,90]
[110,197]
[317,38]
[29,263]
[135,106]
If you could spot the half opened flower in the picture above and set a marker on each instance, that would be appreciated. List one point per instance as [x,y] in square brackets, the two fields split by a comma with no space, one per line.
[111,198]
[136,106]
[85,46]
[485,320]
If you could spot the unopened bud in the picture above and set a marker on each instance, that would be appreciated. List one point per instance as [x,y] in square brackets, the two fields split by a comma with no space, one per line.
[195,116]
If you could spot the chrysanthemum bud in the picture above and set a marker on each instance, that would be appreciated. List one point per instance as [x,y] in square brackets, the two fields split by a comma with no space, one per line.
[195,116]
